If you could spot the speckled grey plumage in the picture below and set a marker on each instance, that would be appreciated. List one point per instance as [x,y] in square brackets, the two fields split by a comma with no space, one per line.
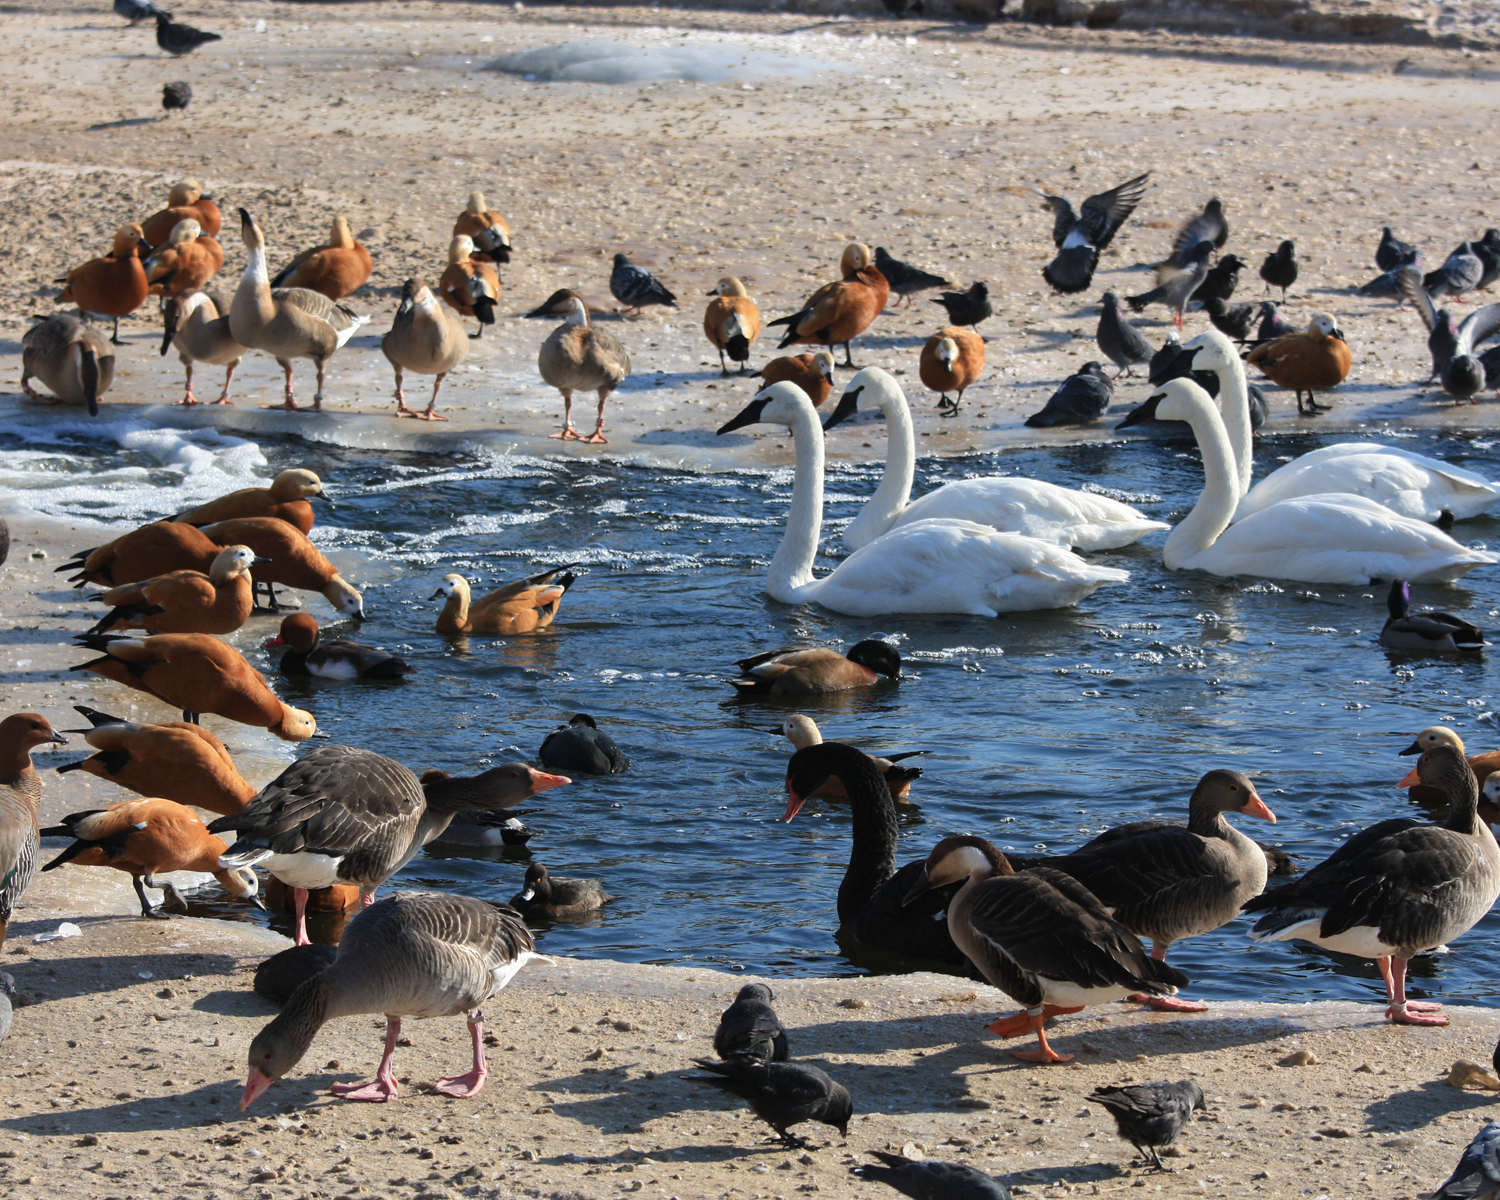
[1123,344]
[1477,1176]
[1442,329]
[1461,272]
[1463,375]
[636,287]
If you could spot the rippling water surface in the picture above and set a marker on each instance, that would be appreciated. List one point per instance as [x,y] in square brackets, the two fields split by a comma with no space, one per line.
[1042,729]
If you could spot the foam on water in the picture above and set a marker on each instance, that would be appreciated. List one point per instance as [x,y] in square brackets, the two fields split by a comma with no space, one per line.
[624,62]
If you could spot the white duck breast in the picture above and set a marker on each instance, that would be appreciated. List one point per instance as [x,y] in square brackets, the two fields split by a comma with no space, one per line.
[310,871]
[932,566]
[1007,504]
[331,667]
[1337,538]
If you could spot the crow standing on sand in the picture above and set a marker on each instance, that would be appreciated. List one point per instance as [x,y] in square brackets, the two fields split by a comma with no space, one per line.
[904,278]
[1122,343]
[926,1179]
[782,1094]
[177,39]
[749,1027]
[1081,237]
[635,287]
[967,308]
[1151,1115]
[1280,268]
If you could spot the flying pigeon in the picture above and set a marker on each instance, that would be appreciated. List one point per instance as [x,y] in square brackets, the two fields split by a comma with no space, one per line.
[1080,238]
[1179,288]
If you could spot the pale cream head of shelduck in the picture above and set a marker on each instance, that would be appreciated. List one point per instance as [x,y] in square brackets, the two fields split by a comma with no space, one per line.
[477,205]
[1325,324]
[189,191]
[296,724]
[296,483]
[1491,789]
[856,257]
[230,562]
[461,249]
[241,883]
[947,352]
[825,363]
[802,731]
[344,597]
[1432,737]
[452,585]
[186,230]
[730,286]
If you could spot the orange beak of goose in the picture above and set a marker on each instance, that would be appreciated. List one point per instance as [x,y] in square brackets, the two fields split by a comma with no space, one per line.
[255,1086]
[1256,807]
[1411,779]
[541,781]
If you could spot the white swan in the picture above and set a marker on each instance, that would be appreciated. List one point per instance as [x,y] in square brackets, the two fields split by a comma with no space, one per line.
[927,567]
[1011,505]
[1329,538]
[1413,485]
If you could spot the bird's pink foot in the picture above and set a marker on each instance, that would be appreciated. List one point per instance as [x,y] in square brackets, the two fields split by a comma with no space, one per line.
[568,434]
[1403,1015]
[1170,1004]
[376,1092]
[461,1086]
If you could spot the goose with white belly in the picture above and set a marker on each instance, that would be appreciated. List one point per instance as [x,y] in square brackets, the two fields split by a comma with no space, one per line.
[1011,505]
[1039,936]
[1339,538]
[932,566]
[1410,484]
[345,815]
[1396,889]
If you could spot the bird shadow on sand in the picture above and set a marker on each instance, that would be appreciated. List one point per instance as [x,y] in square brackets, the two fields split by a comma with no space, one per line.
[1422,1105]
[126,123]
[138,1114]
[1095,1172]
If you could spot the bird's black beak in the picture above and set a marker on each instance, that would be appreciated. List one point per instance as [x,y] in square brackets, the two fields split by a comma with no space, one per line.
[777,730]
[1339,333]
[436,594]
[1146,412]
[325,498]
[919,889]
[715,292]
[1414,748]
[58,739]
[1186,355]
[749,415]
[847,406]
[261,561]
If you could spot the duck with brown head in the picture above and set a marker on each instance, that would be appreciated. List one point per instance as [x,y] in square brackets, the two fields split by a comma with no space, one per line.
[308,654]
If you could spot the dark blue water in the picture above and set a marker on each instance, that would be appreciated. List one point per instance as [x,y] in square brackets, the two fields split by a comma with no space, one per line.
[1042,729]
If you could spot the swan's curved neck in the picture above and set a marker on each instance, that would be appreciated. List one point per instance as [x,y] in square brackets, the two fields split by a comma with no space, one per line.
[790,573]
[872,857]
[1201,528]
[1234,393]
[881,510]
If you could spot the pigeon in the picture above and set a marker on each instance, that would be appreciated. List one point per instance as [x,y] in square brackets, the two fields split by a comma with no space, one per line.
[1178,289]
[1477,1176]
[1389,284]
[635,287]
[1081,237]
[928,1179]
[1280,269]
[136,11]
[904,278]
[750,1027]
[1392,254]
[1272,323]
[1487,249]
[1122,343]
[1222,278]
[176,95]
[177,39]
[1208,226]
[1462,374]
[1232,320]
[578,748]
[1461,272]
[1082,398]
[782,1094]
[967,308]
[1151,1115]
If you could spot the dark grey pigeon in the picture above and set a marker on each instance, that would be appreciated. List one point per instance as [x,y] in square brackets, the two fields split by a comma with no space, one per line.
[177,39]
[1488,250]
[1392,254]
[1389,284]
[136,11]
[1223,277]
[1122,343]
[1280,268]
[1272,324]
[905,279]
[1461,272]
[1151,1115]
[1082,398]
[1232,320]
[1179,289]
[635,287]
[782,1094]
[1208,226]
[967,308]
[176,95]
[927,1179]
[580,748]
[1081,237]
[750,1027]
[1477,1176]
[1442,329]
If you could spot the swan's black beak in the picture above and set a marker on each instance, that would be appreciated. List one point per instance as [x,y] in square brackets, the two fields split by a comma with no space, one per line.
[1185,356]
[749,415]
[847,406]
[1146,412]
[919,889]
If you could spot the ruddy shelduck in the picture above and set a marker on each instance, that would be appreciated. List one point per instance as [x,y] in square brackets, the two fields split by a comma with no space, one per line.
[185,202]
[198,674]
[469,284]
[112,286]
[731,322]
[197,326]
[172,759]
[951,361]
[187,261]
[578,357]
[521,607]
[487,229]
[289,499]
[185,601]
[143,553]
[145,838]
[338,268]
[838,313]
[292,560]
[1315,360]
[71,357]
[813,373]
[423,338]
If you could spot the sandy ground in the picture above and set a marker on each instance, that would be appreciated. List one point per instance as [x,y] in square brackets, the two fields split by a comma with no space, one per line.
[117,1084]
[927,139]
